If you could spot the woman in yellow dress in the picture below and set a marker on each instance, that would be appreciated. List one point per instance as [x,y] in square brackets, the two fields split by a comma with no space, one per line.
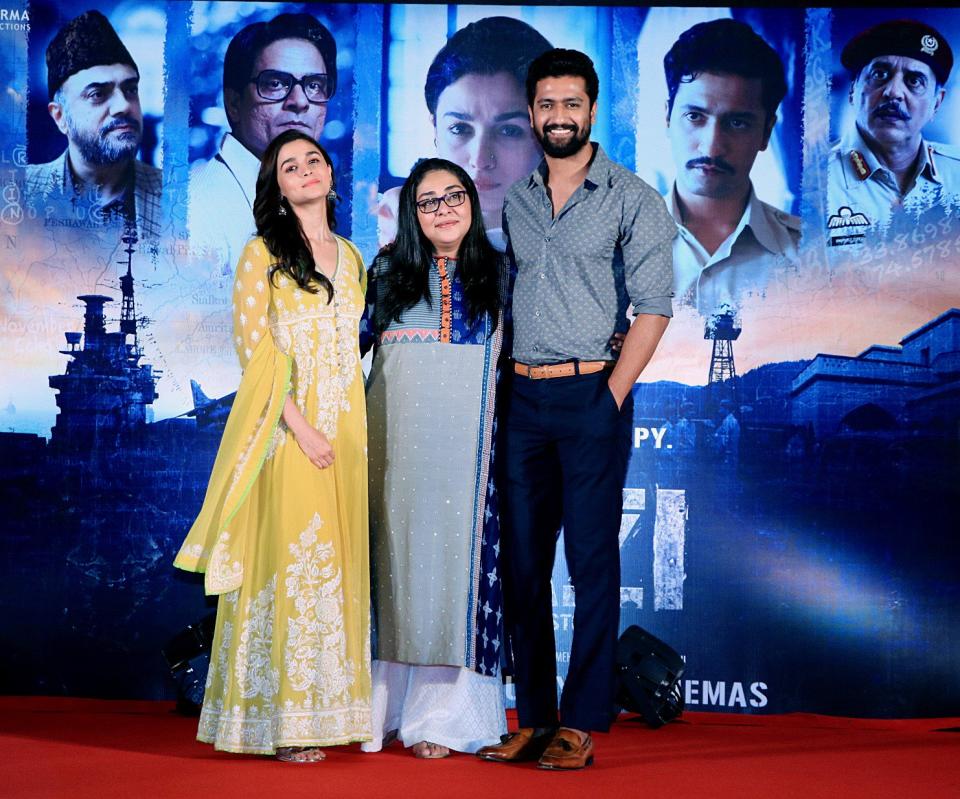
[282,534]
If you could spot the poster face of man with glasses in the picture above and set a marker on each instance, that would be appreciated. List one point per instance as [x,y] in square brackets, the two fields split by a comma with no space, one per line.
[277,75]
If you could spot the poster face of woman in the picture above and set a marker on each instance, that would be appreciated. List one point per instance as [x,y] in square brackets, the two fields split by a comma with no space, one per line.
[482,125]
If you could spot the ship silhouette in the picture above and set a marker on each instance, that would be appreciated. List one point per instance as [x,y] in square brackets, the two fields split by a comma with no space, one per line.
[94,517]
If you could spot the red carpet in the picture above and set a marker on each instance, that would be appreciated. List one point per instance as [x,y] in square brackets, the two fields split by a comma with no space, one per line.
[78,748]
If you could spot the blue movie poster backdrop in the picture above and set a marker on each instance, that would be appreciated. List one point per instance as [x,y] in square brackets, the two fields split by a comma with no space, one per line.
[789,510]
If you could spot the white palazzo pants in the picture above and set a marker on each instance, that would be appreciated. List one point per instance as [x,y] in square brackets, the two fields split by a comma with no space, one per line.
[454,707]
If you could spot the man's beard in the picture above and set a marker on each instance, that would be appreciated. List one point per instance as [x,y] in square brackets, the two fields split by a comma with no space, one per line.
[572,146]
[102,151]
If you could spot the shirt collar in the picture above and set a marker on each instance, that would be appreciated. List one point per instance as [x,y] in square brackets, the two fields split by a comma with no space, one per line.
[755,217]
[69,184]
[244,164]
[853,141]
[73,189]
[597,174]
[926,166]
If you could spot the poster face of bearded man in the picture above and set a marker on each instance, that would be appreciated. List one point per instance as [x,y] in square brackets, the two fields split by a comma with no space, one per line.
[94,91]
[98,110]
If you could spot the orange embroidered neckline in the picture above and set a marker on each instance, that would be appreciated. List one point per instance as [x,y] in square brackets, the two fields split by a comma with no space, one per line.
[446,314]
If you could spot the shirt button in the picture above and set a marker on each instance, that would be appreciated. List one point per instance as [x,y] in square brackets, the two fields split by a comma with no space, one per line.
[537,314]
[547,238]
[543,275]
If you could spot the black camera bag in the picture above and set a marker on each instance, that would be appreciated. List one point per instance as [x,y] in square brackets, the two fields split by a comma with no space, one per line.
[648,677]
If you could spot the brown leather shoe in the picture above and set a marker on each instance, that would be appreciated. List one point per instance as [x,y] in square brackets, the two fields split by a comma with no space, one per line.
[568,751]
[517,747]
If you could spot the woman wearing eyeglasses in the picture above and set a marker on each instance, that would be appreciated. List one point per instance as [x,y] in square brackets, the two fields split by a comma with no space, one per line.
[282,535]
[435,318]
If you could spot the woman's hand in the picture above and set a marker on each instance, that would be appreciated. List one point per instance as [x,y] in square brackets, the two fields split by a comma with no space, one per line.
[311,441]
[315,446]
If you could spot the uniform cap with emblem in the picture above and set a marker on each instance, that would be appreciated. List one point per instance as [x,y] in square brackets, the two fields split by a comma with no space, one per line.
[85,41]
[903,37]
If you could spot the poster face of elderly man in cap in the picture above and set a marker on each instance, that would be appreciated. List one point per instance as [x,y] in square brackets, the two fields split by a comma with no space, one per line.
[277,75]
[93,85]
[898,72]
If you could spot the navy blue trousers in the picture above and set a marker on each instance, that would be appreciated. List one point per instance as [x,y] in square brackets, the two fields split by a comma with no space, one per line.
[563,456]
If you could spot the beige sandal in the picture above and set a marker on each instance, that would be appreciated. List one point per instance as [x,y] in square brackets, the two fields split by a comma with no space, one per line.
[426,750]
[300,754]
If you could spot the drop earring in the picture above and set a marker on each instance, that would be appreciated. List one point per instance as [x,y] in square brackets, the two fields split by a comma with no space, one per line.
[283,210]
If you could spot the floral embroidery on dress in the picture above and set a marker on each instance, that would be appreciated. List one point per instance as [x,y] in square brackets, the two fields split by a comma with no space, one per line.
[194,551]
[256,676]
[277,441]
[322,340]
[298,723]
[445,302]
[222,571]
[220,660]
[288,667]
[316,656]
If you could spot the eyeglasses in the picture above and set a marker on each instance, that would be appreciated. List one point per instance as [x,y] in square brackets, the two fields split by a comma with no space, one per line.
[276,86]
[432,205]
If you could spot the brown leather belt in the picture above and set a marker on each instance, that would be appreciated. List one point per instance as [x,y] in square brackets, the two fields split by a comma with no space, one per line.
[566,369]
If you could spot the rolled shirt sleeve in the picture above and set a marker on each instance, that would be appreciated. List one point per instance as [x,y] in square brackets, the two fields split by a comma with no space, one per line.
[579,271]
[646,241]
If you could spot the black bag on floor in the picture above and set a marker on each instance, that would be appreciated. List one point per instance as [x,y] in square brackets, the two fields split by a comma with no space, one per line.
[188,656]
[648,677]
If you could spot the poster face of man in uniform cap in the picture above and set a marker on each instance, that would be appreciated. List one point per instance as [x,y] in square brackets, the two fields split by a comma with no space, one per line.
[93,85]
[898,74]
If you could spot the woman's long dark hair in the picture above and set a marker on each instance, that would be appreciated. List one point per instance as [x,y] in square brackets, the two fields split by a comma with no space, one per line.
[282,232]
[407,280]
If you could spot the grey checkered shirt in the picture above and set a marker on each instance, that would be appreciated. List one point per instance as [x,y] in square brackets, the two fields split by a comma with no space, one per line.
[610,246]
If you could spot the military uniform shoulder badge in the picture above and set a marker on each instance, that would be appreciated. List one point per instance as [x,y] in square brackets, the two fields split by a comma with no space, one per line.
[859,164]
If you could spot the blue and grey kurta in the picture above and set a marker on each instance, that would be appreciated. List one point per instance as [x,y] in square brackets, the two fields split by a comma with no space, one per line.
[434,533]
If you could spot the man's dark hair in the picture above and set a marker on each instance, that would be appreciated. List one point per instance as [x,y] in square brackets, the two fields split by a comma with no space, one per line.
[244,48]
[725,47]
[558,62]
[485,47]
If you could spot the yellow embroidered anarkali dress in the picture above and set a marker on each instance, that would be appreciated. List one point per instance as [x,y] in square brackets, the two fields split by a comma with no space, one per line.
[282,542]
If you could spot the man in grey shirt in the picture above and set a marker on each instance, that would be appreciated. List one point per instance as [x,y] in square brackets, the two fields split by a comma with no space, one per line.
[589,239]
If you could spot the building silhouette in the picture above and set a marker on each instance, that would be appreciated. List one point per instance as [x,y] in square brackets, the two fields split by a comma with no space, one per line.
[916,383]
